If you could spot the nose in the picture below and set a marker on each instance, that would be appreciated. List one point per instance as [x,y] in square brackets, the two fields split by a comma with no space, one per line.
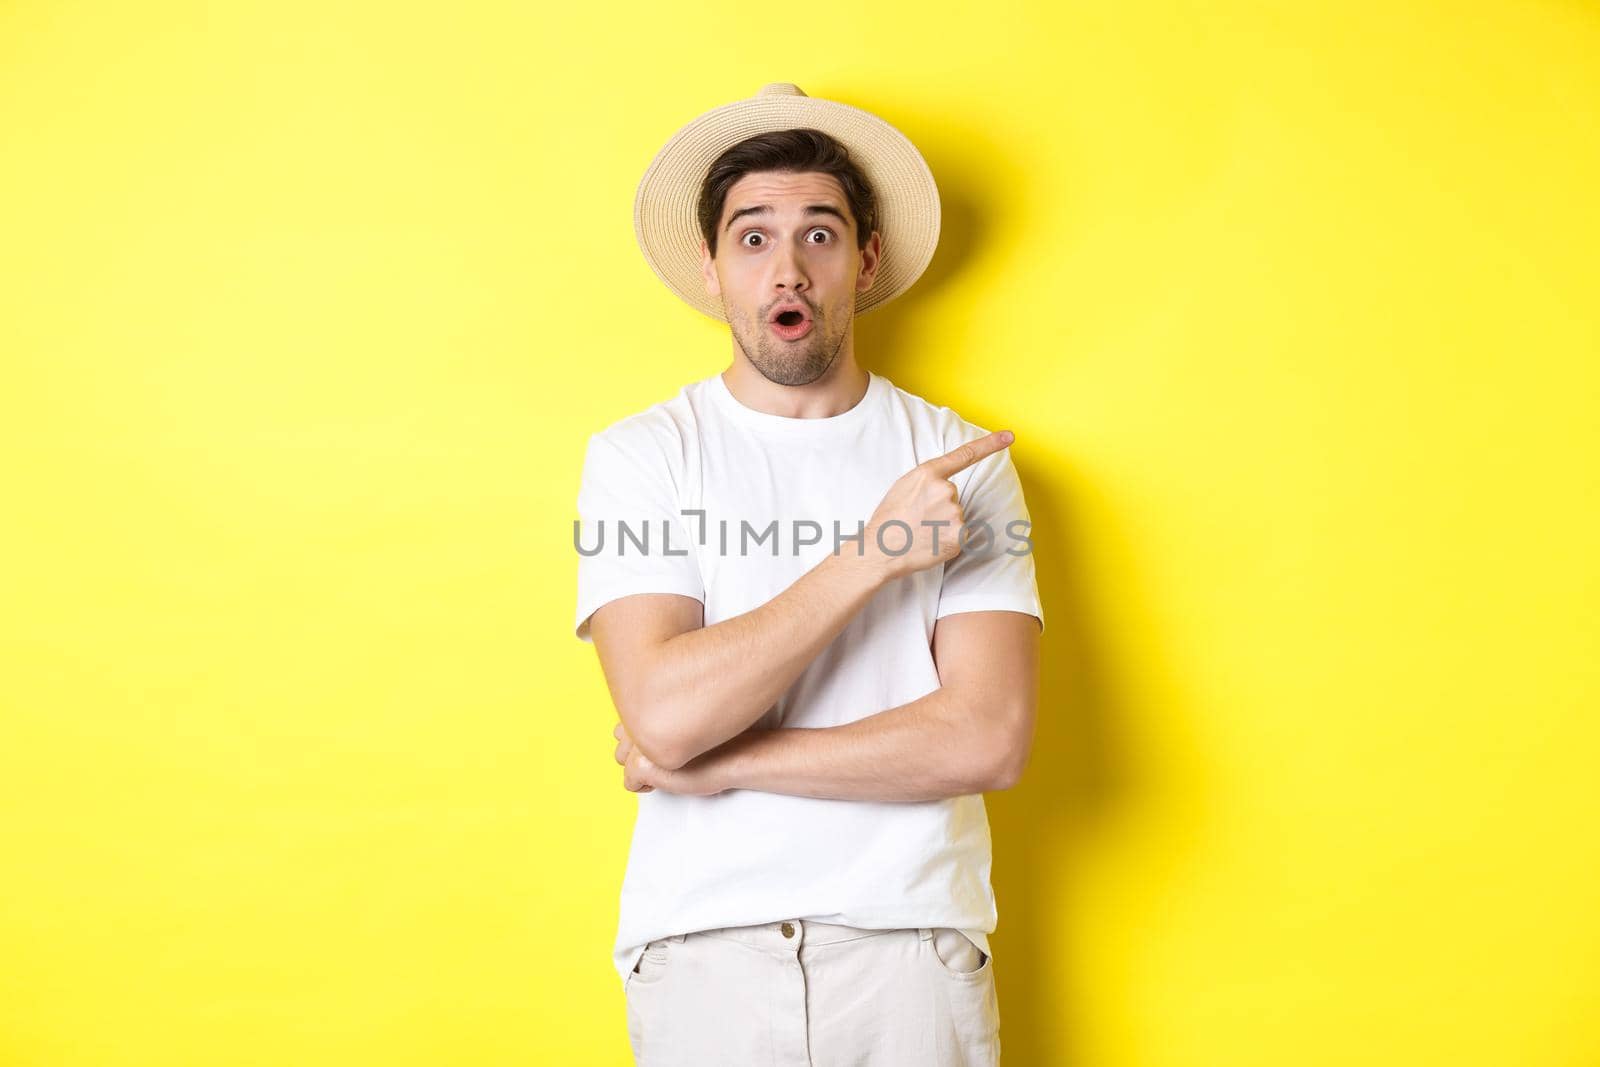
[788,275]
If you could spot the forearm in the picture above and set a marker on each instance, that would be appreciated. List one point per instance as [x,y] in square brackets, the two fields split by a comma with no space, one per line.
[931,748]
[712,683]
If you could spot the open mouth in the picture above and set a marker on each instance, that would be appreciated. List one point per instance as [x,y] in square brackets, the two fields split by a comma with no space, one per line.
[790,325]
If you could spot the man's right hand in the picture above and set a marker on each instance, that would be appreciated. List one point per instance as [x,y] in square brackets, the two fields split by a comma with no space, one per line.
[925,494]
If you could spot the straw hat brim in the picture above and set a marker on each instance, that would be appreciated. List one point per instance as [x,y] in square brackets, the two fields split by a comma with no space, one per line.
[664,207]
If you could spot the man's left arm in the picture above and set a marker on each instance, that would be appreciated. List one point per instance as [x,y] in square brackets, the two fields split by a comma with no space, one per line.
[970,735]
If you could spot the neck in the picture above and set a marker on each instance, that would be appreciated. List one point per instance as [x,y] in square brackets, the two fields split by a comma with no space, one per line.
[836,392]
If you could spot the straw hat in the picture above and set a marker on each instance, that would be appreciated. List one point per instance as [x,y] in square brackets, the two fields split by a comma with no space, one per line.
[664,218]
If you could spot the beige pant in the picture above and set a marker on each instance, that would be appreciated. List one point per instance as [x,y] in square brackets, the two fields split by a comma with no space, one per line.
[799,993]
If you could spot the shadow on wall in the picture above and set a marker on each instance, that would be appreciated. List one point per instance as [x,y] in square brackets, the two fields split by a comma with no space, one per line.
[1083,781]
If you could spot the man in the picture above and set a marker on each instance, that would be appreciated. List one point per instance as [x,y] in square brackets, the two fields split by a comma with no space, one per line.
[818,672]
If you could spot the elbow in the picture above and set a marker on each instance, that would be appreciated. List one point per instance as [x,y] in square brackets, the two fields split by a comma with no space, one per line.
[998,770]
[652,726]
[671,759]
[663,755]
[1008,754]
[1008,773]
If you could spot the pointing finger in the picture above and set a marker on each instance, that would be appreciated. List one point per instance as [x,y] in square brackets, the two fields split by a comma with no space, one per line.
[966,455]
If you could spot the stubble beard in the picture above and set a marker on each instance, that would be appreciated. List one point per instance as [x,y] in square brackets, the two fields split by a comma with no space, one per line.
[790,364]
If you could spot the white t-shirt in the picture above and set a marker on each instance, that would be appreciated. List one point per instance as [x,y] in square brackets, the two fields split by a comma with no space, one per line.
[748,856]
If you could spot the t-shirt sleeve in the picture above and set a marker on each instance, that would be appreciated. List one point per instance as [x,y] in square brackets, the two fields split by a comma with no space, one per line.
[995,571]
[626,498]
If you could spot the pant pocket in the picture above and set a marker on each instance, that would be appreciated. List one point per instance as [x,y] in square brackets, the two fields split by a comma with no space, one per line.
[652,963]
[964,980]
[957,955]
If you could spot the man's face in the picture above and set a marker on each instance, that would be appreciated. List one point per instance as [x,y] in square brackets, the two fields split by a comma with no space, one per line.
[788,240]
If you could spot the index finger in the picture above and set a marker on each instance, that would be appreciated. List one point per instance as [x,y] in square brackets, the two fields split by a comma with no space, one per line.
[966,455]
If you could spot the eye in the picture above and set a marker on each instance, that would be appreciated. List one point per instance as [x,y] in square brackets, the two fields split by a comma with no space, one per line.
[744,238]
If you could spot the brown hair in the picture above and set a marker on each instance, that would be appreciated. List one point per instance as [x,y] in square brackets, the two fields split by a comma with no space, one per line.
[792,151]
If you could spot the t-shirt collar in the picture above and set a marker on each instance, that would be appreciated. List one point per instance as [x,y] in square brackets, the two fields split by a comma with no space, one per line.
[783,424]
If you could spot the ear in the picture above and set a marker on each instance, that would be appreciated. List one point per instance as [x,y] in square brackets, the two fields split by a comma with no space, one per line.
[871,256]
[708,268]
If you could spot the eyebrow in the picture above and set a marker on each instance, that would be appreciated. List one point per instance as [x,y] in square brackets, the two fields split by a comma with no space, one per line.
[766,209]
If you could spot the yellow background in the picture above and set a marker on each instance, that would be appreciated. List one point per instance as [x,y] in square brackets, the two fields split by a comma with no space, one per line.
[306,311]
